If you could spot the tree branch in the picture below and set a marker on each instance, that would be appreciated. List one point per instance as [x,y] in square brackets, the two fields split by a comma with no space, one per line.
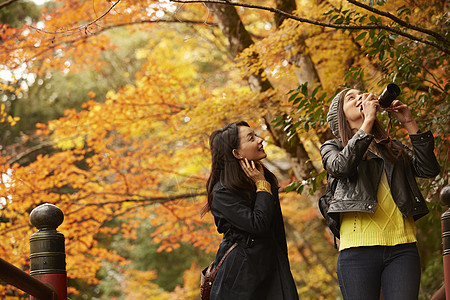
[29,151]
[82,27]
[400,21]
[6,3]
[152,200]
[323,24]
[55,44]
[104,28]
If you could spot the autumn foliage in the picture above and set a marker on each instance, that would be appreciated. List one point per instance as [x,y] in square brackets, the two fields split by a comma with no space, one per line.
[140,153]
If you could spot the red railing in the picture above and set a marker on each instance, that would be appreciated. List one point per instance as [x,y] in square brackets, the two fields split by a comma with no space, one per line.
[21,280]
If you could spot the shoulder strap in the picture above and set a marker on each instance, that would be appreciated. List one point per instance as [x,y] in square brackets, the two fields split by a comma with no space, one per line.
[213,274]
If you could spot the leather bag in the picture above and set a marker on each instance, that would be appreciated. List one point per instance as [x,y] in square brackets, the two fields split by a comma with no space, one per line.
[209,273]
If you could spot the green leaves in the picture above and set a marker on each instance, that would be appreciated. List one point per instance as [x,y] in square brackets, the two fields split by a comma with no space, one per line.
[361,35]
[351,17]
[403,10]
[308,111]
[313,182]
[355,73]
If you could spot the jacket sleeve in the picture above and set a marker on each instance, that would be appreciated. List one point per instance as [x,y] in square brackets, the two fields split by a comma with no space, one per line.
[423,160]
[342,162]
[235,209]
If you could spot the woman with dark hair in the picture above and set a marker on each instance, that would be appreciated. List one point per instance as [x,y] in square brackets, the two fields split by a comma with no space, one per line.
[376,200]
[243,198]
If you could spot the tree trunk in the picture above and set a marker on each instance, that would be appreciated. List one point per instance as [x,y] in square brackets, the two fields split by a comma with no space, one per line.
[299,239]
[306,71]
[239,39]
[285,5]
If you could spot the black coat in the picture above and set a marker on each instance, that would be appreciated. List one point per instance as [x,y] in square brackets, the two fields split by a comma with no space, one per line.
[258,268]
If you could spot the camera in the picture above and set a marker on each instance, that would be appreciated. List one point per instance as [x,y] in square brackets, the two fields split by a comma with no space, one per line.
[389,94]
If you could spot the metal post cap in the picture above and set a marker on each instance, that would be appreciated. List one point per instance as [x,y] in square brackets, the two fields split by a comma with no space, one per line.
[445,195]
[46,216]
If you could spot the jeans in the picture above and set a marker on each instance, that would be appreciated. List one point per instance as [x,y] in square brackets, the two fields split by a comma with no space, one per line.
[365,271]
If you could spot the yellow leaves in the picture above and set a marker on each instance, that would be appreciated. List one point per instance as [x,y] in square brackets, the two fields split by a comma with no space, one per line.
[314,279]
[139,285]
[13,120]
[191,283]
[76,142]
[4,117]
[2,113]
[224,105]
[142,53]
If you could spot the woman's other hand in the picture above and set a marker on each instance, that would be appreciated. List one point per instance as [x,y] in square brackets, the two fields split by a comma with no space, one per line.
[251,170]
[404,116]
[401,111]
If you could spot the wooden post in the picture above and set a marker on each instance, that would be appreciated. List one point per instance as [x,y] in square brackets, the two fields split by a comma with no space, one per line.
[445,221]
[47,249]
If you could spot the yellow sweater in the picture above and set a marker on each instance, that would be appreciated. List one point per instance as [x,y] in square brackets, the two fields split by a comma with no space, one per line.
[385,227]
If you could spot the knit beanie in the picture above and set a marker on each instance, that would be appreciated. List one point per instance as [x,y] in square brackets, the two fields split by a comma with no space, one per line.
[332,116]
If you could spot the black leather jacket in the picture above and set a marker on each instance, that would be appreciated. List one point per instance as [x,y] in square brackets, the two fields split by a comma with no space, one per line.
[358,179]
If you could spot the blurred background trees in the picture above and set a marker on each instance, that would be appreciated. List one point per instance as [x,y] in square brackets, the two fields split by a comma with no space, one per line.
[107,108]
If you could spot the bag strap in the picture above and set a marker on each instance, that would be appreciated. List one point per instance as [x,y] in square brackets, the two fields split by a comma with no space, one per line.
[213,274]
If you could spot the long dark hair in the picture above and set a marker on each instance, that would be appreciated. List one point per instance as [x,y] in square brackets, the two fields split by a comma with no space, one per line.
[390,149]
[226,168]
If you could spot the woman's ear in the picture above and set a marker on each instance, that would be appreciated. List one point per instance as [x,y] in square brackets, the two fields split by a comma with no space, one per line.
[236,154]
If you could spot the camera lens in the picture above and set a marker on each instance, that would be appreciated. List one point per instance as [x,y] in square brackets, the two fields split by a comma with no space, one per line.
[389,94]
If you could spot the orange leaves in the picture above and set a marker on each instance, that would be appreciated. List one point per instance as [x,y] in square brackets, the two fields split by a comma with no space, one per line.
[75,31]
[42,129]
[180,221]
[127,159]
[138,156]
[297,209]
[128,231]
[54,38]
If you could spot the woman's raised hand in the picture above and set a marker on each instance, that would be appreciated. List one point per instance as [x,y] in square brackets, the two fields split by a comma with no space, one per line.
[404,116]
[251,170]
[401,111]
[370,106]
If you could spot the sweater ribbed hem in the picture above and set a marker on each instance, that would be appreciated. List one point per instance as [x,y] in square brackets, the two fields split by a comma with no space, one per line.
[355,239]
